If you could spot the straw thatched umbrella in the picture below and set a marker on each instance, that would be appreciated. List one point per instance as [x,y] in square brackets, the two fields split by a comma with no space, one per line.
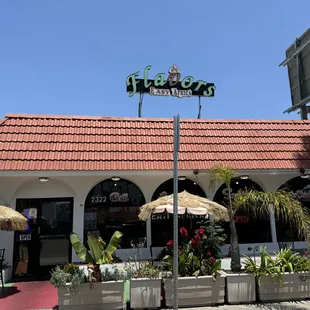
[11,220]
[187,203]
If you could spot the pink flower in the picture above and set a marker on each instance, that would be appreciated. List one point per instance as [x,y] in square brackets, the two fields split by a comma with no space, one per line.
[183,232]
[201,231]
[170,243]
[194,242]
[197,237]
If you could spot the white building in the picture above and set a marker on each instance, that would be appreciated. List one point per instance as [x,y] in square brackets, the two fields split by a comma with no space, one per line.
[93,173]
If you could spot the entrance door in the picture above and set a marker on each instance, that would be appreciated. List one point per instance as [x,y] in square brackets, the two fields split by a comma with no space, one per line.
[45,243]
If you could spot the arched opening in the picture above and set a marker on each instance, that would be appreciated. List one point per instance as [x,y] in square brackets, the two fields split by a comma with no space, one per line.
[162,224]
[301,187]
[114,205]
[249,229]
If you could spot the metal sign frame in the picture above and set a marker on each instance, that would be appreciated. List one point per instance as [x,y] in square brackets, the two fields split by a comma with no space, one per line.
[176,143]
[300,90]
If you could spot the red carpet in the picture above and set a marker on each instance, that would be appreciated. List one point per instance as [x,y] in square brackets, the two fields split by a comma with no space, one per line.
[29,295]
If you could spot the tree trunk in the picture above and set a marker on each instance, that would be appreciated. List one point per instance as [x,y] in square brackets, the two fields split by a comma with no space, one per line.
[94,273]
[235,264]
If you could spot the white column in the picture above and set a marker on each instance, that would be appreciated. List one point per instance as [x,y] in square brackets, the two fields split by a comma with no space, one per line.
[78,223]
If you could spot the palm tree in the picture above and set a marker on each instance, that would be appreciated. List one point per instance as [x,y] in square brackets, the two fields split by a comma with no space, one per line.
[282,203]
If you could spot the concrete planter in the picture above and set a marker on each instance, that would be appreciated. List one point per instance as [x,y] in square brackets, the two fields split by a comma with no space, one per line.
[296,286]
[240,288]
[145,293]
[104,295]
[195,292]
[7,273]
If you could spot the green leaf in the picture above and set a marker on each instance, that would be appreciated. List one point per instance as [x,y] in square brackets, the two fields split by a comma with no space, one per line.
[114,242]
[196,273]
[80,249]
[102,242]
[95,247]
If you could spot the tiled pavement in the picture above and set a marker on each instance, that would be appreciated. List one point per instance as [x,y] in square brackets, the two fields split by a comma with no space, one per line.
[43,296]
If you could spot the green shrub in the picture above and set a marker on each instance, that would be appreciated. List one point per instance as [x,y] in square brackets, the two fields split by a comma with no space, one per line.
[284,261]
[70,275]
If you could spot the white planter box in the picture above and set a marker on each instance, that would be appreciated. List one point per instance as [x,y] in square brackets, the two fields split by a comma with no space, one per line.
[194,292]
[296,286]
[7,274]
[240,288]
[103,295]
[145,293]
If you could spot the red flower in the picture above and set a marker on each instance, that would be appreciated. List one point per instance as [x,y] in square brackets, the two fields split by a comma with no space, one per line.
[197,237]
[194,242]
[201,231]
[181,251]
[183,232]
[170,244]
[306,253]
[212,260]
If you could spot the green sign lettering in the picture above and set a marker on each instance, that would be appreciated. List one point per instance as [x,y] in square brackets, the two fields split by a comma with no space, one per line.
[131,80]
[159,79]
[190,82]
[146,83]
[172,85]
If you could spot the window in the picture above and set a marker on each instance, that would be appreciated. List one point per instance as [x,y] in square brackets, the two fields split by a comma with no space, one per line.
[249,229]
[162,224]
[114,205]
[301,187]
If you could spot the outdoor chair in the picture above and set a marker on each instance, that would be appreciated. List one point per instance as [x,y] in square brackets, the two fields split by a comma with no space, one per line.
[1,267]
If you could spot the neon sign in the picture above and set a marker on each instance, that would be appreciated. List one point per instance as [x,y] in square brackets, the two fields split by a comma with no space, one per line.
[173,85]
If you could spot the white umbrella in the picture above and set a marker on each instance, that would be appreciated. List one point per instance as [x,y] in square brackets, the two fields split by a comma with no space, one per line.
[187,203]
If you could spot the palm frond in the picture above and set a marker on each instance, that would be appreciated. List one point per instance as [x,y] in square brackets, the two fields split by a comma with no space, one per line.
[221,174]
[284,205]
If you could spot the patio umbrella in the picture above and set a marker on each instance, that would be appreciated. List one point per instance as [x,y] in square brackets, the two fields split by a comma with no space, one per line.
[189,203]
[11,220]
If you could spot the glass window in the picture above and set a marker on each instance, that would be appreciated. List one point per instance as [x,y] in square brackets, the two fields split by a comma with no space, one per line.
[114,205]
[301,187]
[162,224]
[249,229]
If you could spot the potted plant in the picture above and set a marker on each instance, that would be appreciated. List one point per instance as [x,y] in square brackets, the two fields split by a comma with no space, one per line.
[241,286]
[145,283]
[283,278]
[104,289]
[199,282]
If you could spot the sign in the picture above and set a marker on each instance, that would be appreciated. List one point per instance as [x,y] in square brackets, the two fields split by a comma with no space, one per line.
[113,197]
[172,85]
[242,219]
[166,216]
[25,237]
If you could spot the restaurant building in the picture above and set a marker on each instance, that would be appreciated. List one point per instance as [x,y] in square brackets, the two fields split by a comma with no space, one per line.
[69,173]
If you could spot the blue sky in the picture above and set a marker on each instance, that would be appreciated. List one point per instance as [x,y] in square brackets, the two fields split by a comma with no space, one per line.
[73,57]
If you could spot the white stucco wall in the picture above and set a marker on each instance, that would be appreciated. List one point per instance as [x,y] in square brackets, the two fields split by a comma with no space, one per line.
[78,185]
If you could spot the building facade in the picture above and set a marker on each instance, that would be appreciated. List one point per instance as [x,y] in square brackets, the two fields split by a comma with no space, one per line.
[93,173]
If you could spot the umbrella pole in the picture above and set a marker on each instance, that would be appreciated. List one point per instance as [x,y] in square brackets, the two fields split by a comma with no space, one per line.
[176,127]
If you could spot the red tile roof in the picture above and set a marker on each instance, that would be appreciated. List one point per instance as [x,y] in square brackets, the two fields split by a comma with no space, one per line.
[48,142]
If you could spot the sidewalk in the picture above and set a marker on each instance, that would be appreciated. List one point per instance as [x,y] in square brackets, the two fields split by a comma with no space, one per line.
[302,305]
